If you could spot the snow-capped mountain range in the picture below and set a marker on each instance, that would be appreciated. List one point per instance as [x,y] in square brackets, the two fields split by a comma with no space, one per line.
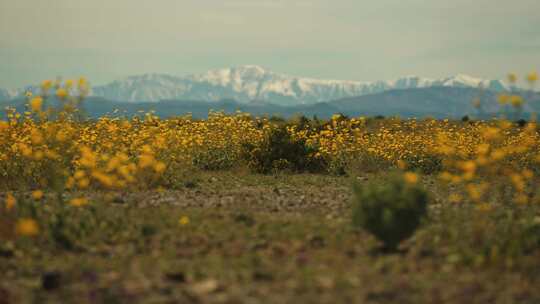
[251,83]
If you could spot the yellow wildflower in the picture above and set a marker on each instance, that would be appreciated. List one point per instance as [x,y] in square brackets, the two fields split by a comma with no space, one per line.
[528,174]
[61,93]
[68,84]
[184,220]
[38,155]
[446,176]
[475,192]
[36,137]
[455,198]
[146,160]
[36,103]
[532,77]
[78,202]
[83,183]
[61,136]
[70,182]
[26,151]
[10,201]
[26,227]
[410,177]
[46,86]
[160,167]
[79,174]
[484,207]
[516,101]
[521,199]
[469,166]
[37,194]
[3,125]
[518,182]
[491,133]
[105,179]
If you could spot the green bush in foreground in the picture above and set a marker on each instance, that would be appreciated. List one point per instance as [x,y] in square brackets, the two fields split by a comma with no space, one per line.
[390,210]
[280,151]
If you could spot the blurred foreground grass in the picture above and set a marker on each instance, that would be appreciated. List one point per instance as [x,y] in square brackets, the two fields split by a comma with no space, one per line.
[235,237]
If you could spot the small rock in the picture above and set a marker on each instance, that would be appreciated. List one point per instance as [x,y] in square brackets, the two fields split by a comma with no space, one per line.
[262,276]
[5,296]
[7,252]
[278,191]
[118,200]
[259,245]
[317,241]
[148,230]
[179,277]
[205,287]
[190,184]
[51,280]
[350,253]
[302,259]
[244,218]
[325,282]
[279,250]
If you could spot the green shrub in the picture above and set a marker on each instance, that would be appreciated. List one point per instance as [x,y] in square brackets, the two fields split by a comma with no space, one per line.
[390,210]
[369,163]
[213,159]
[427,164]
[279,151]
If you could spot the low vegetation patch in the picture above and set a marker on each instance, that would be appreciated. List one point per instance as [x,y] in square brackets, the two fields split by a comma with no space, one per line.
[390,209]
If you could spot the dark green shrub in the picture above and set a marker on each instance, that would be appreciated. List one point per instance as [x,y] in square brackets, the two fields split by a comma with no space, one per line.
[300,121]
[427,164]
[391,210]
[279,151]
[521,123]
[338,166]
[213,159]
[276,119]
[368,163]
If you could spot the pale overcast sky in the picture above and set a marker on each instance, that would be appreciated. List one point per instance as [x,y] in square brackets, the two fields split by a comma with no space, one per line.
[338,39]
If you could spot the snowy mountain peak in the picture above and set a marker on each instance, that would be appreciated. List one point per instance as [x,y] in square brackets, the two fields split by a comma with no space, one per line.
[252,83]
[234,75]
[411,81]
[463,79]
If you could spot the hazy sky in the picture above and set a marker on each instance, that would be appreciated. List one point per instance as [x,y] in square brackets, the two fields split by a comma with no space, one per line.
[339,39]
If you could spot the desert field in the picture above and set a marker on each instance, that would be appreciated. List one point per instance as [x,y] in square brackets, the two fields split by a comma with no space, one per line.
[244,209]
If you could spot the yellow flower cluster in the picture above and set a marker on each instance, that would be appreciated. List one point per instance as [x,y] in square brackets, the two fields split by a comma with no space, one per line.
[500,167]
[114,153]
[48,150]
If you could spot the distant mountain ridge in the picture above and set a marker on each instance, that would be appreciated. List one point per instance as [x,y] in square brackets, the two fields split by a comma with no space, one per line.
[254,84]
[437,102]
